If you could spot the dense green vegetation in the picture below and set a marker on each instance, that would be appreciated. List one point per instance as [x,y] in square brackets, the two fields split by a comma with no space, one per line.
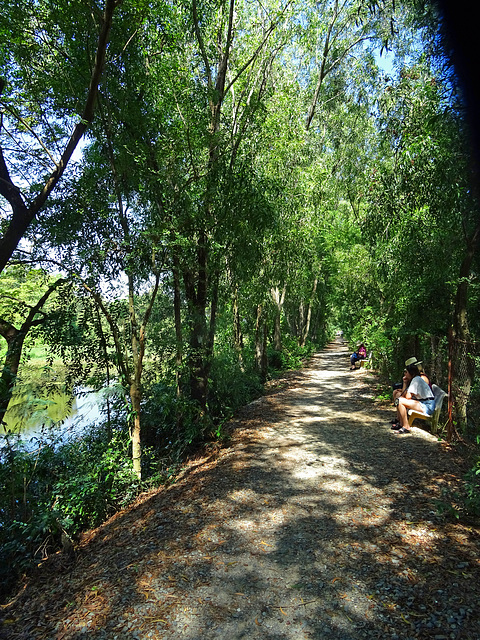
[248,180]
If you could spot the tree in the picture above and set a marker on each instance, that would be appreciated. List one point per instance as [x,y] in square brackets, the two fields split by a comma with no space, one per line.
[105,238]
[27,316]
[35,57]
[422,219]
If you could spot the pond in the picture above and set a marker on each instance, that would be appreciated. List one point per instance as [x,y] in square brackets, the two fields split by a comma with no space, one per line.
[63,415]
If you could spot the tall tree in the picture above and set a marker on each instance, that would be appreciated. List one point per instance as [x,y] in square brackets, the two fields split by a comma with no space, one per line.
[37,140]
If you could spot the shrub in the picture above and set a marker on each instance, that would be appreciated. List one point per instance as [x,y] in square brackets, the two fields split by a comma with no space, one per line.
[232,384]
[58,489]
[291,356]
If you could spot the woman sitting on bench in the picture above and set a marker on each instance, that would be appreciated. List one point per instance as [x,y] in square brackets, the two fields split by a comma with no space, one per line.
[359,354]
[399,388]
[418,396]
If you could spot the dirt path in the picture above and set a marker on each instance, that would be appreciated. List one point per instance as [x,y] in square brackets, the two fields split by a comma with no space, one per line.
[316,522]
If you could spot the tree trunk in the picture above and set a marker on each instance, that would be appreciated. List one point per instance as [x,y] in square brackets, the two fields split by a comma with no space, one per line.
[178,325]
[277,332]
[199,337]
[135,429]
[261,359]
[462,362]
[301,322]
[103,344]
[15,339]
[435,372]
[306,329]
[279,299]
[291,318]
[202,325]
[135,386]
[237,329]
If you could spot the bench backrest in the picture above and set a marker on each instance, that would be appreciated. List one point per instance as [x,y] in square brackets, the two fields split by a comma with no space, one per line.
[439,395]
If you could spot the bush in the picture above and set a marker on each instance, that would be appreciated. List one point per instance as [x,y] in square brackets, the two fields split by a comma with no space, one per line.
[291,356]
[96,480]
[466,501]
[232,385]
[471,501]
[58,490]
[171,425]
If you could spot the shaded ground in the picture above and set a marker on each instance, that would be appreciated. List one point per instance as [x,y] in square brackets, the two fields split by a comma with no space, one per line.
[316,522]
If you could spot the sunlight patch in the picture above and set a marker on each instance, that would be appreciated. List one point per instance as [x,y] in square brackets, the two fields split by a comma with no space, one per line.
[330,374]
[307,472]
[242,495]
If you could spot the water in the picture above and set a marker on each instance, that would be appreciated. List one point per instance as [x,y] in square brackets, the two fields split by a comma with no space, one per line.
[63,415]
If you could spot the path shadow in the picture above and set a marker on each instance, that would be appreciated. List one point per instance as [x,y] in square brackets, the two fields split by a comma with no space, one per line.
[318,524]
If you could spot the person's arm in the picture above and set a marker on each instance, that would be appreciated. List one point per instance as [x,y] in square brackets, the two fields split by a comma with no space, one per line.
[405,393]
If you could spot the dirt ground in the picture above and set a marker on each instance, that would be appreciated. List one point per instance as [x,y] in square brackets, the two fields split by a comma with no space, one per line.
[316,521]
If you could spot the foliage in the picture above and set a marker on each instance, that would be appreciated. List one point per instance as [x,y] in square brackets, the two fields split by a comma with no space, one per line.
[171,426]
[472,491]
[234,384]
[383,392]
[96,479]
[57,489]
[292,356]
[251,179]
[371,330]
[463,503]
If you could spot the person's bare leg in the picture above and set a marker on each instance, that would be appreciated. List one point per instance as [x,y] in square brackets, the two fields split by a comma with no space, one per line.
[397,394]
[404,404]
[402,414]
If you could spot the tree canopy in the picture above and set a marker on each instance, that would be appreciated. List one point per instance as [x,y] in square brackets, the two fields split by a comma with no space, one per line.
[224,184]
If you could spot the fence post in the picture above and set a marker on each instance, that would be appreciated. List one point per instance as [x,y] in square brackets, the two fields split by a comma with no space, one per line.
[450,380]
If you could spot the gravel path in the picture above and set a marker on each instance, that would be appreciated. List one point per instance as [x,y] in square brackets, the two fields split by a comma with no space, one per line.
[315,522]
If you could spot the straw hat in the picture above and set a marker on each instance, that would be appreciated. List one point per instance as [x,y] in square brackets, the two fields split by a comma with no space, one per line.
[413,361]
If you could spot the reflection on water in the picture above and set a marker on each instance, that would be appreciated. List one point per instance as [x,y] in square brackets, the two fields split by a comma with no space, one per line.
[61,412]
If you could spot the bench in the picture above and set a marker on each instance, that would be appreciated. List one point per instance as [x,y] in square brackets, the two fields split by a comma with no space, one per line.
[432,420]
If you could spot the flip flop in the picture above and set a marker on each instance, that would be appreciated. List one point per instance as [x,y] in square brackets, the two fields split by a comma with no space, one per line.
[402,430]
[396,426]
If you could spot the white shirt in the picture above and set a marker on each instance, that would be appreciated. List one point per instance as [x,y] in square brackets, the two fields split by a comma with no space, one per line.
[419,388]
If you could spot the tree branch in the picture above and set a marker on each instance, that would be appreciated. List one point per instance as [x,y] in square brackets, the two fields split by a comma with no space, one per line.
[323,73]
[201,44]
[29,128]
[269,32]
[21,215]
[118,347]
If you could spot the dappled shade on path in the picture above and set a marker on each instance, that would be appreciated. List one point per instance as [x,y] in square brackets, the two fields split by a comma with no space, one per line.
[315,522]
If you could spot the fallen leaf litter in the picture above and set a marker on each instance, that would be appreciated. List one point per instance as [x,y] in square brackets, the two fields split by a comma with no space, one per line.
[315,522]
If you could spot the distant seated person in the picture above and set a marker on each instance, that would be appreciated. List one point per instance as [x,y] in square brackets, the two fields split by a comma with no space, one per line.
[400,388]
[417,396]
[359,354]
